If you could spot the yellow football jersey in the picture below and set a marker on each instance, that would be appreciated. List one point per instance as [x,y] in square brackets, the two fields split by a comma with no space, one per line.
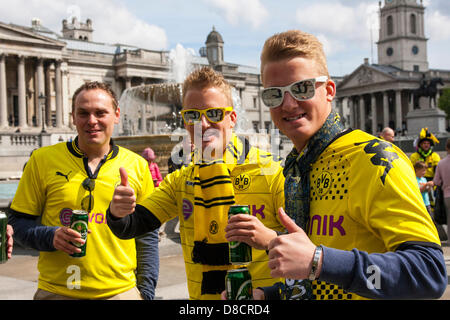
[258,182]
[51,187]
[364,195]
[431,161]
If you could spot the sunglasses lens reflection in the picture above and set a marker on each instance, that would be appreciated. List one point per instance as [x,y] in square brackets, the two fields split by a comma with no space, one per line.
[87,203]
[214,115]
[88,184]
[301,90]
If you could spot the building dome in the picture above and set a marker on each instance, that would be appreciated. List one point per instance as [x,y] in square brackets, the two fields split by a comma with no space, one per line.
[214,36]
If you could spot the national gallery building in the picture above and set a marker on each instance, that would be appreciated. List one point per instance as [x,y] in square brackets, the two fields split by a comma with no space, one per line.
[40,70]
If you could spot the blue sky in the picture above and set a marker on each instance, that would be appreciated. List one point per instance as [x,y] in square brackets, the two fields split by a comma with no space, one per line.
[346,27]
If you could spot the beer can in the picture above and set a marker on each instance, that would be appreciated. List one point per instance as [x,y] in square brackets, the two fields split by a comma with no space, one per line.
[238,284]
[79,222]
[3,242]
[239,252]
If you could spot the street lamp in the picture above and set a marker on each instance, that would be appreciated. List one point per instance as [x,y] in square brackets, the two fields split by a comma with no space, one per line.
[42,99]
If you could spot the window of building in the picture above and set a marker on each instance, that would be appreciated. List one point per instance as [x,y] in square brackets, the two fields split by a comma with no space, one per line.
[255,126]
[389,51]
[412,22]
[255,102]
[416,68]
[214,54]
[390,25]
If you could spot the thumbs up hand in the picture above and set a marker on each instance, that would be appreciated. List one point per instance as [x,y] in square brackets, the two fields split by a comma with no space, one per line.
[291,255]
[124,199]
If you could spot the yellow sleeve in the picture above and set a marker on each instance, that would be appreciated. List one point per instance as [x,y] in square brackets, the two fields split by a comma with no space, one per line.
[414,158]
[436,158]
[277,190]
[30,194]
[162,202]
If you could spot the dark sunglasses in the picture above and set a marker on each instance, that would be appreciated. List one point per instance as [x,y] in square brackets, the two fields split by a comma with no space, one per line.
[300,90]
[88,202]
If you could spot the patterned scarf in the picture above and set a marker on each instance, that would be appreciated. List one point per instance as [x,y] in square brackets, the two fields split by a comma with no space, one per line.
[213,195]
[297,187]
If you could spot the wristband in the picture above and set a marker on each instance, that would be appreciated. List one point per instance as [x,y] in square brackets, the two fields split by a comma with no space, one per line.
[315,263]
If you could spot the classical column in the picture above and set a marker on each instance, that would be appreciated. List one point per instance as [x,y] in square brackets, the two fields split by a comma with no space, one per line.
[345,111]
[58,94]
[21,92]
[40,89]
[352,113]
[127,83]
[410,102]
[373,106]
[48,94]
[66,109]
[385,109]
[3,93]
[398,110]
[362,113]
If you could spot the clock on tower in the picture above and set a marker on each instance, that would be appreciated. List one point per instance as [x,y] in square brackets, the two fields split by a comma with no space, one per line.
[402,42]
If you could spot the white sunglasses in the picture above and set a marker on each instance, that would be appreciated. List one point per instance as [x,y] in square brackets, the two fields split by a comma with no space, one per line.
[300,90]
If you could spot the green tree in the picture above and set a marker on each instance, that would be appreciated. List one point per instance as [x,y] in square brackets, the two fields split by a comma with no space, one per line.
[444,102]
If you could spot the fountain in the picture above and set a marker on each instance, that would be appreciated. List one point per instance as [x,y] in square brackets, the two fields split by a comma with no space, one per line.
[151,113]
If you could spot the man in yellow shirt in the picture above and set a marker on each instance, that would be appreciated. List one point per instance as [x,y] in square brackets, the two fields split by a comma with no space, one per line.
[225,170]
[82,174]
[357,224]
[426,153]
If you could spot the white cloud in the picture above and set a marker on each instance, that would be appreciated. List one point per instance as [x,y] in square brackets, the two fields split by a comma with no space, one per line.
[437,26]
[112,22]
[331,46]
[339,24]
[115,24]
[237,11]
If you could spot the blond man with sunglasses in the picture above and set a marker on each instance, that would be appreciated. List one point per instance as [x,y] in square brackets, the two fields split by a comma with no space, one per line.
[81,175]
[357,226]
[225,170]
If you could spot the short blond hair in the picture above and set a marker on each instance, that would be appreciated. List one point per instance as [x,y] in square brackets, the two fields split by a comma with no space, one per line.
[292,44]
[206,77]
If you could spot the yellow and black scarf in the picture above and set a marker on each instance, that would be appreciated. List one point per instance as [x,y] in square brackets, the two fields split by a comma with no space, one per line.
[213,195]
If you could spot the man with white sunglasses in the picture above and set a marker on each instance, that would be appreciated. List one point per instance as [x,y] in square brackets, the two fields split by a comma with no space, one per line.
[225,170]
[356,226]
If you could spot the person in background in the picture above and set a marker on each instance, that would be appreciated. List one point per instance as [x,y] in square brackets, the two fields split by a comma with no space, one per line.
[442,179]
[355,225]
[388,134]
[9,240]
[150,156]
[420,168]
[81,175]
[425,144]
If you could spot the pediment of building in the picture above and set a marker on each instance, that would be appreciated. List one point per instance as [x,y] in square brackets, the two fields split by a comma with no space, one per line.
[22,36]
[365,75]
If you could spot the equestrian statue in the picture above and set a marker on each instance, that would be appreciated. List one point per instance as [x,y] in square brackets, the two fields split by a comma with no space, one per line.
[426,89]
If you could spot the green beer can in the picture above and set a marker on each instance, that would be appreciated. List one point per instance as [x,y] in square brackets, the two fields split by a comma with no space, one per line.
[79,222]
[3,250]
[239,252]
[238,284]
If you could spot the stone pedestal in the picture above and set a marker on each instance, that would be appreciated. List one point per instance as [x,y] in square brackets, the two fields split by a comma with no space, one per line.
[433,119]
